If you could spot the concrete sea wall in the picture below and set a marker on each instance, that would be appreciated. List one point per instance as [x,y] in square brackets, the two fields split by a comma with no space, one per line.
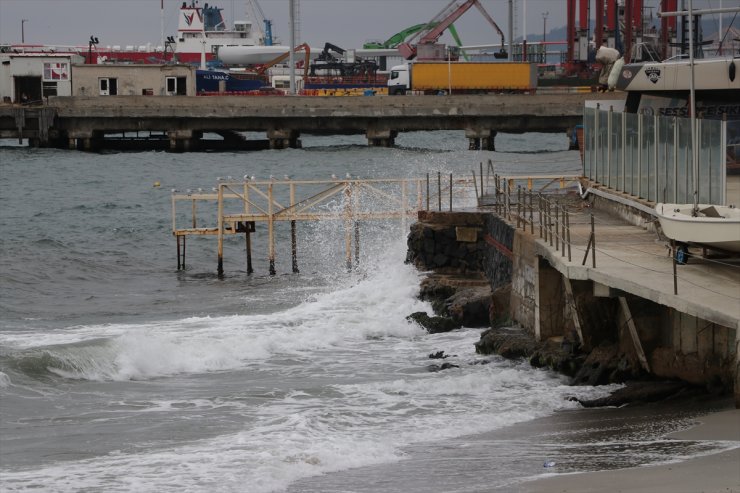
[594,330]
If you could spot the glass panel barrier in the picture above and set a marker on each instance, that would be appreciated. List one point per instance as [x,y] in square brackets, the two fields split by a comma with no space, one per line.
[615,167]
[665,160]
[647,184]
[683,171]
[650,157]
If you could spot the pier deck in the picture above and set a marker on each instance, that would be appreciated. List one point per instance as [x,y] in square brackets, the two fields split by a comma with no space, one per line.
[86,122]
[636,261]
[629,258]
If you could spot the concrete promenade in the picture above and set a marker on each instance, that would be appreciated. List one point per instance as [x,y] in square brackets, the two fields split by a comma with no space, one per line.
[633,260]
[81,121]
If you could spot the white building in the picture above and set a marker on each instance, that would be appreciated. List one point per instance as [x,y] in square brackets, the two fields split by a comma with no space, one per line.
[33,77]
[133,80]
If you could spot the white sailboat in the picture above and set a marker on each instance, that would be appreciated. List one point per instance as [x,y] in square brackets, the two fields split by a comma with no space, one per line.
[708,225]
[712,226]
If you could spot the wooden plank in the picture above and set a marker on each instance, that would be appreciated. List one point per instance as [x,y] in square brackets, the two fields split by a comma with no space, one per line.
[571,301]
[633,333]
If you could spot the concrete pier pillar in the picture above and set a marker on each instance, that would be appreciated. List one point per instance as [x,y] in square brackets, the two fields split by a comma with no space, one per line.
[282,138]
[549,302]
[72,144]
[383,137]
[488,143]
[481,139]
[182,140]
[82,139]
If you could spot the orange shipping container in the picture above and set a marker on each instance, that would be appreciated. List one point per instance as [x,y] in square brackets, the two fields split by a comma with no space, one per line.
[473,76]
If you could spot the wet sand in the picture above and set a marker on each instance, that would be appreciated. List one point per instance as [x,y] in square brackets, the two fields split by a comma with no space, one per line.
[511,459]
[712,473]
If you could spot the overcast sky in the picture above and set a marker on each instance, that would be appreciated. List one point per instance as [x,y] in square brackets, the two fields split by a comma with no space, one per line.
[346,23]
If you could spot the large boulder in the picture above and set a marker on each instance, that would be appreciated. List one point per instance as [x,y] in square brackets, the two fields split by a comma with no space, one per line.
[434,324]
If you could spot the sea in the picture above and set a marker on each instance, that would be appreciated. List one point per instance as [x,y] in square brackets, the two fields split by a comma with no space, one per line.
[121,372]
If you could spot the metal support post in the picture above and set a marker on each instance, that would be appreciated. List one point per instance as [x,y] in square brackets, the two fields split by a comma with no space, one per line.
[639,155]
[531,212]
[608,180]
[475,187]
[508,199]
[404,202]
[294,247]
[481,179]
[439,191]
[593,242]
[557,228]
[496,194]
[348,226]
[549,220]
[539,212]
[248,239]
[220,268]
[567,228]
[518,206]
[270,230]
[418,195]
[675,276]
[562,230]
[427,191]
[450,192]
[357,244]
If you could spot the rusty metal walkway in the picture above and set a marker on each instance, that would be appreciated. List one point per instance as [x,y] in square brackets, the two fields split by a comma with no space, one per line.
[242,204]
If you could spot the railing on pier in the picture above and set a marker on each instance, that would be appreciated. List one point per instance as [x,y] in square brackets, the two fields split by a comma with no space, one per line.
[534,210]
[548,216]
[242,204]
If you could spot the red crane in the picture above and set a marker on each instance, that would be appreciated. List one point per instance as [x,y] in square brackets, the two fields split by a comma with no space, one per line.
[441,22]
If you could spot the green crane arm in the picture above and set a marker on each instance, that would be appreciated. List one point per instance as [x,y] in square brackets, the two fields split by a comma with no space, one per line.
[397,38]
[401,36]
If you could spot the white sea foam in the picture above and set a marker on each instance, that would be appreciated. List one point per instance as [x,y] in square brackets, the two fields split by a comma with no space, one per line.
[303,435]
[4,381]
[373,306]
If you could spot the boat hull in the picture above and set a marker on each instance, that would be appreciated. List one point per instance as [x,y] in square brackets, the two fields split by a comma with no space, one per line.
[715,226]
[254,55]
[213,81]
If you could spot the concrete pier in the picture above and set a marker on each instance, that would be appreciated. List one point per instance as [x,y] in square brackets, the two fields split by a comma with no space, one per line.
[91,121]
[682,327]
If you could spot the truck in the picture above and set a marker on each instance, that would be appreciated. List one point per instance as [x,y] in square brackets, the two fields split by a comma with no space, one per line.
[437,77]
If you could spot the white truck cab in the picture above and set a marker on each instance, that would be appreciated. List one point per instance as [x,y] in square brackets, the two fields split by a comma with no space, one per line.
[400,79]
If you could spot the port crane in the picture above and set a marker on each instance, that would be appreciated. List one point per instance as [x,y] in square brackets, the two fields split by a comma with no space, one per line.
[401,36]
[396,39]
[263,68]
[441,22]
[326,61]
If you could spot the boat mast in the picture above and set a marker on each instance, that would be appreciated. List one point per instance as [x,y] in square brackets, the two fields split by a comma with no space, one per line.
[203,45]
[292,45]
[692,109]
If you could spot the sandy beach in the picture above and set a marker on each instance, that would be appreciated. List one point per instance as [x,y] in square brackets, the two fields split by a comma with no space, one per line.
[712,473]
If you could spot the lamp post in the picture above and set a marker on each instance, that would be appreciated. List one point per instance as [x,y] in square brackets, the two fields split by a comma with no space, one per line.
[23,31]
[449,70]
[93,41]
[544,36]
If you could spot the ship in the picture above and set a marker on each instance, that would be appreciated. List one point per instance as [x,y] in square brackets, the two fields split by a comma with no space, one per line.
[202,31]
